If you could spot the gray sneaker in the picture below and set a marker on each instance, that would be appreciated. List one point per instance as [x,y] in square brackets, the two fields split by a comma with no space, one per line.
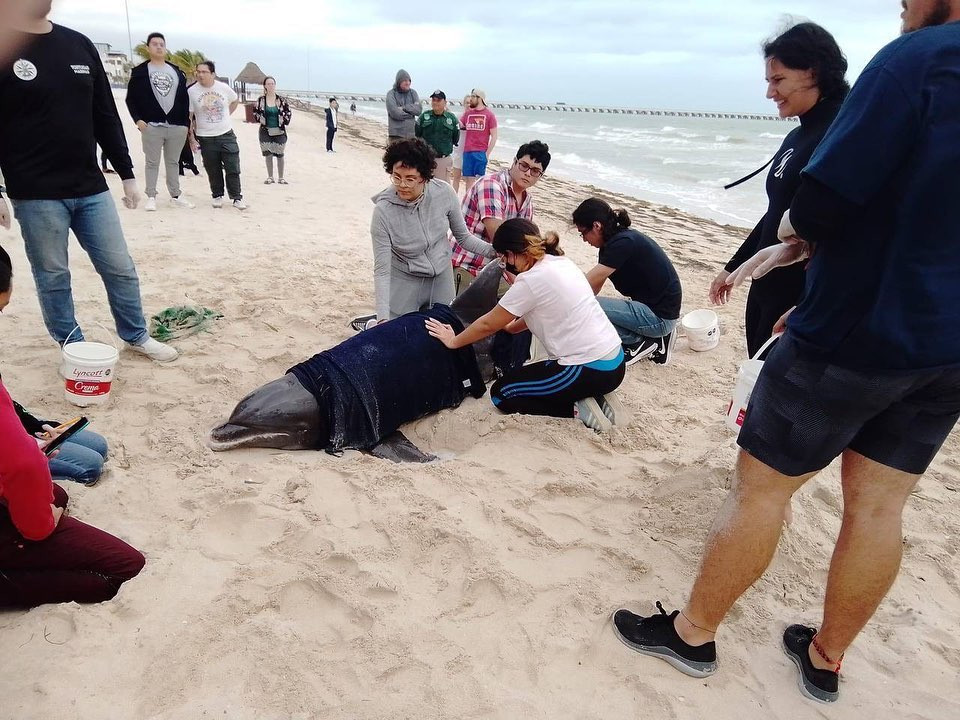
[613,409]
[589,413]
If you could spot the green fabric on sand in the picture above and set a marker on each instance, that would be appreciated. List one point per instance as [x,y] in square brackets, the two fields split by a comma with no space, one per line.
[181,321]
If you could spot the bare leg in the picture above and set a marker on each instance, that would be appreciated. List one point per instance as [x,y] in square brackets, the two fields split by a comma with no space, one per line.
[269,160]
[455,179]
[469,182]
[867,556]
[740,546]
[280,167]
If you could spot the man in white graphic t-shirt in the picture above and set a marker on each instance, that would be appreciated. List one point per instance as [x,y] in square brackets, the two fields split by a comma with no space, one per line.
[211,105]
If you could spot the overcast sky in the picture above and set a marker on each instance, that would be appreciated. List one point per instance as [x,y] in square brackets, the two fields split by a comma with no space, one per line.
[679,54]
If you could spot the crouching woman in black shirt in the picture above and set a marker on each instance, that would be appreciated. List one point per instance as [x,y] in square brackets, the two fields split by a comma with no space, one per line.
[647,317]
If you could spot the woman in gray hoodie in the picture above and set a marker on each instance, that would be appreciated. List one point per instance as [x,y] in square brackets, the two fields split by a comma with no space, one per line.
[411,252]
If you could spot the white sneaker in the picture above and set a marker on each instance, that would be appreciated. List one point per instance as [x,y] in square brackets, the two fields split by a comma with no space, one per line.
[156,350]
[181,202]
[218,202]
[150,205]
[239,204]
[589,413]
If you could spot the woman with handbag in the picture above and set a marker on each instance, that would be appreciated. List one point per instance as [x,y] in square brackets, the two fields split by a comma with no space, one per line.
[273,114]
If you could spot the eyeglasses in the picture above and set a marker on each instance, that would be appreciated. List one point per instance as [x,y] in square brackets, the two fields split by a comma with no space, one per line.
[405,182]
[527,168]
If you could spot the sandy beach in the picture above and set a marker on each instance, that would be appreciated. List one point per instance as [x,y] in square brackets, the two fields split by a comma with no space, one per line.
[301,585]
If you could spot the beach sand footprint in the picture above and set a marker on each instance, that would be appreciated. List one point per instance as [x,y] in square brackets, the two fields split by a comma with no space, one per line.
[59,627]
[317,614]
[238,531]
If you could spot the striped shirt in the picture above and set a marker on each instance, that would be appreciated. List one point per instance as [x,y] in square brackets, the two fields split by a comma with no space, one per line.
[490,197]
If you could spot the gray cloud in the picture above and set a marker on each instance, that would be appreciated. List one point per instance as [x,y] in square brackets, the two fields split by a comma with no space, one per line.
[657,53]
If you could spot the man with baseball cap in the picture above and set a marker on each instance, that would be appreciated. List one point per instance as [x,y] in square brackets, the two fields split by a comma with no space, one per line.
[480,125]
[440,129]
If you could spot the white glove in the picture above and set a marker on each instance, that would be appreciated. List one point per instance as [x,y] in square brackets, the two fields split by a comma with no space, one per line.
[768,259]
[4,214]
[786,231]
[131,194]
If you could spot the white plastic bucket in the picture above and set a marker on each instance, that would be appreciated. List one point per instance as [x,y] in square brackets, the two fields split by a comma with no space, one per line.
[702,328]
[746,380]
[88,371]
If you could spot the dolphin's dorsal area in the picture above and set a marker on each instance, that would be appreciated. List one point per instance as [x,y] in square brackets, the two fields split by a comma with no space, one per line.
[481,296]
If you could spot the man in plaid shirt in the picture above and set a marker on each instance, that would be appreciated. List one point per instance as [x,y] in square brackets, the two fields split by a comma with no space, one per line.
[495,198]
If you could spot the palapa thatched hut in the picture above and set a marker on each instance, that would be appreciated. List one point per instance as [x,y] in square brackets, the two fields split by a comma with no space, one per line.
[250,74]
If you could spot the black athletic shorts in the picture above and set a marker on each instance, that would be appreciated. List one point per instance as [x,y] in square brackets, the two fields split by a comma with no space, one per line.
[804,412]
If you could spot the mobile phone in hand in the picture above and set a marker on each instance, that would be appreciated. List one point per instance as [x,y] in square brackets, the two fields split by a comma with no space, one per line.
[73,429]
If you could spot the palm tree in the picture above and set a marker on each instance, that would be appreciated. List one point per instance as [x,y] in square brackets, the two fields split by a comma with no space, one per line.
[187,61]
[141,51]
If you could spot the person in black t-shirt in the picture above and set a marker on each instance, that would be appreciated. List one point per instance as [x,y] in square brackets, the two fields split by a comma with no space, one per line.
[56,106]
[805,75]
[640,270]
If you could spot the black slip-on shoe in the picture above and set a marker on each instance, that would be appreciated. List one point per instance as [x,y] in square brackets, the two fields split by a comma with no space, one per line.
[656,636]
[816,684]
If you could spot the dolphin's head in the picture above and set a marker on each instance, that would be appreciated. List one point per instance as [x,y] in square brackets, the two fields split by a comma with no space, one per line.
[281,414]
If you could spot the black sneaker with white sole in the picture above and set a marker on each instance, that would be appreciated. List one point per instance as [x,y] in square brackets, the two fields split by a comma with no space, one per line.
[656,636]
[664,350]
[635,352]
[816,684]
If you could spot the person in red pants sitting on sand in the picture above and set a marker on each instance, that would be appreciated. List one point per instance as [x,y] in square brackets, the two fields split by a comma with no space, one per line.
[46,556]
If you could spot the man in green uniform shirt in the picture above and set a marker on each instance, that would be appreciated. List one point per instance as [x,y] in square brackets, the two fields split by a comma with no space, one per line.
[441,131]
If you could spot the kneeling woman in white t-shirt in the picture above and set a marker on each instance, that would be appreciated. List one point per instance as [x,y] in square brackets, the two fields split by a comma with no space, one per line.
[551,297]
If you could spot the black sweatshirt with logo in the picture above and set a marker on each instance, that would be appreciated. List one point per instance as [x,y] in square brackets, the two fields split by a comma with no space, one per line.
[56,106]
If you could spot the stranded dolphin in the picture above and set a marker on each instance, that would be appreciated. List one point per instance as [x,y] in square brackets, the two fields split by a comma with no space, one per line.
[358,393]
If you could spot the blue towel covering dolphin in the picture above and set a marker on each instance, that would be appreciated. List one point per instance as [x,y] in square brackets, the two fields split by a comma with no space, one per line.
[358,393]
[389,375]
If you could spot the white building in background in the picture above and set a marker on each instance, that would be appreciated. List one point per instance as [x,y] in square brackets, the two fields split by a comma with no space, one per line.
[115,64]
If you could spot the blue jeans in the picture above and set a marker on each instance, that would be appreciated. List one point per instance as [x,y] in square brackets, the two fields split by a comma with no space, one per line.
[634,320]
[80,458]
[45,225]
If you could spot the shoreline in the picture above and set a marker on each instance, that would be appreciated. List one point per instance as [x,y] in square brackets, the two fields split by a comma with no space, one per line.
[552,187]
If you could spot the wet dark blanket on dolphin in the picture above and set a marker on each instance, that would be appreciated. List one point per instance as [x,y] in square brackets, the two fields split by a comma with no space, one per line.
[389,375]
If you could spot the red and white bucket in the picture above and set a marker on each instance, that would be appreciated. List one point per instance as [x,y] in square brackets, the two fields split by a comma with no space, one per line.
[746,379]
[88,370]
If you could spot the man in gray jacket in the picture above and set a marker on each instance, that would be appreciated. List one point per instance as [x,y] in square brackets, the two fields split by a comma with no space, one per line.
[403,108]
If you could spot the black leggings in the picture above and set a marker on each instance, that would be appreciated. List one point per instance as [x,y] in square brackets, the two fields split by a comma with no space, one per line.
[549,388]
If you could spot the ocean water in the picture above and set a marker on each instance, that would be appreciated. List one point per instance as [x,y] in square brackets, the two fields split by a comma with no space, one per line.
[679,162]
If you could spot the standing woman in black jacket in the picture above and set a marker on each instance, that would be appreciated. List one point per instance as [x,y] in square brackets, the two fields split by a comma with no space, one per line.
[273,114]
[805,78]
[158,103]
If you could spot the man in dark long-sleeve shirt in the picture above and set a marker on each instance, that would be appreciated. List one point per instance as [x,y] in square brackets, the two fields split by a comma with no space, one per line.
[56,106]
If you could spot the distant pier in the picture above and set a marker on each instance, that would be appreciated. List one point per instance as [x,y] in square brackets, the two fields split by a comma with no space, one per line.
[346,97]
